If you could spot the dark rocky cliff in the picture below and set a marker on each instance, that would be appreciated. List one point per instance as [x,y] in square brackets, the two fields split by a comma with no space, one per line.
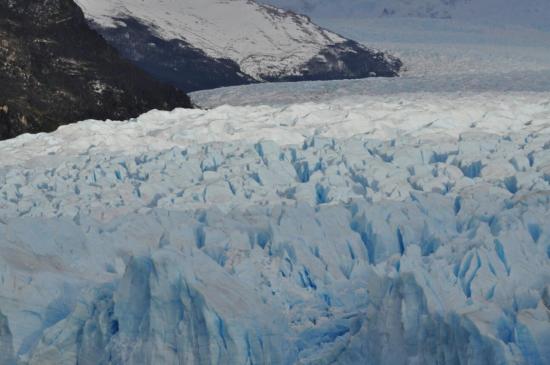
[55,70]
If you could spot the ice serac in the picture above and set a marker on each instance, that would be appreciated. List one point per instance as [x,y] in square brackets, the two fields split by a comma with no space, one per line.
[205,44]
[233,252]
[55,70]
[170,308]
[6,342]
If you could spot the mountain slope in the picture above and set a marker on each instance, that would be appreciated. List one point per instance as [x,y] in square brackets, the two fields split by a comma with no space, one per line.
[197,44]
[55,70]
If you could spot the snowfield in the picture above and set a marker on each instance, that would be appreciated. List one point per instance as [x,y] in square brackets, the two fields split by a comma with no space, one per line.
[381,222]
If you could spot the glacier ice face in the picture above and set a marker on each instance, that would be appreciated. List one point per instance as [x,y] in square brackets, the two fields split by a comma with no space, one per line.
[170,308]
[321,170]
[6,342]
[404,229]
[409,250]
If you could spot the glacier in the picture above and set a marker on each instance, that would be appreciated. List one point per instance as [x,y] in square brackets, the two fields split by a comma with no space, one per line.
[402,228]
[377,221]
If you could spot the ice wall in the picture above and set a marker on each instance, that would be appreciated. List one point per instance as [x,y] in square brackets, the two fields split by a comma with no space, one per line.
[358,250]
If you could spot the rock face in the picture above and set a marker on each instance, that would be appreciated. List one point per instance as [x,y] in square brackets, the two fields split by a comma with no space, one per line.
[203,44]
[55,70]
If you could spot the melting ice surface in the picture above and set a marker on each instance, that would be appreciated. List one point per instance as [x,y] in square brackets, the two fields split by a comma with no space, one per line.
[404,229]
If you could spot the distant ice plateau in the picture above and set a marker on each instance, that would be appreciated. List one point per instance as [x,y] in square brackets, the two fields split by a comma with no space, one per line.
[527,13]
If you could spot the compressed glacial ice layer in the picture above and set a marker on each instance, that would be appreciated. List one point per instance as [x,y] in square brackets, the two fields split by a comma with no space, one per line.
[171,308]
[318,171]
[419,89]
[350,250]
[6,342]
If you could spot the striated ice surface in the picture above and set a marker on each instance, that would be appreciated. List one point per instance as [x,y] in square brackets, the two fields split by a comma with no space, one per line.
[428,245]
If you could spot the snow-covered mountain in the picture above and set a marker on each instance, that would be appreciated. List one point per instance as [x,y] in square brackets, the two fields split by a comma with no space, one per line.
[198,44]
[502,12]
